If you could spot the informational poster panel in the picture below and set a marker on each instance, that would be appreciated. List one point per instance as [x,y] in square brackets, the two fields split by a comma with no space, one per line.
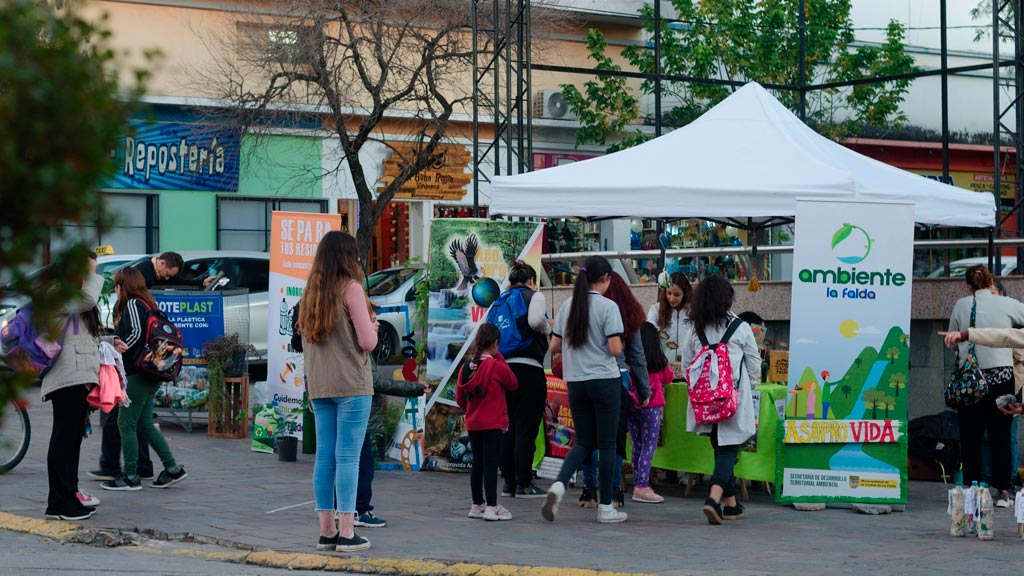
[200,317]
[468,269]
[844,437]
[294,237]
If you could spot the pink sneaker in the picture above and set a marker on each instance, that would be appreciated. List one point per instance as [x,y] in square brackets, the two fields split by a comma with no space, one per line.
[646,495]
[87,499]
[476,511]
[497,513]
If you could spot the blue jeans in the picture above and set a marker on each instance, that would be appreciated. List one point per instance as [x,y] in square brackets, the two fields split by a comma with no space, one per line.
[340,430]
[590,472]
[365,491]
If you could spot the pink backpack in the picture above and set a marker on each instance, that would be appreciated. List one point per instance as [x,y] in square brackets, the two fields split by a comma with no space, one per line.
[713,394]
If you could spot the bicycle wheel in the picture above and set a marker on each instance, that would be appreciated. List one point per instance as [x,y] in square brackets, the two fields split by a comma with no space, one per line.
[15,432]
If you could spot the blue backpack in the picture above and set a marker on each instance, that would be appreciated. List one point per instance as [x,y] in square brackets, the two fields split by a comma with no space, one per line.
[509,313]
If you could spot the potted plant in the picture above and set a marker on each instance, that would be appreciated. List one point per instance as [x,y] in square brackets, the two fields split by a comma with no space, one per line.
[286,445]
[225,358]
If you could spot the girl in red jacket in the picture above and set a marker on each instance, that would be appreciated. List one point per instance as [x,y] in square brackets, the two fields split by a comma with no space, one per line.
[480,393]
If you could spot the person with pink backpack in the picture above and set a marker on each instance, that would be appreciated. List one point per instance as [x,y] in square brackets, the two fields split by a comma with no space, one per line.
[722,367]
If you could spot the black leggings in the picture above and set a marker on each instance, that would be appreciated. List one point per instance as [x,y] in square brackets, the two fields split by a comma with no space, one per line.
[525,412]
[483,476]
[69,410]
[595,416]
[985,415]
[725,462]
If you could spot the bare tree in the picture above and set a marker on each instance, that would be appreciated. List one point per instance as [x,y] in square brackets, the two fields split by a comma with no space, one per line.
[403,65]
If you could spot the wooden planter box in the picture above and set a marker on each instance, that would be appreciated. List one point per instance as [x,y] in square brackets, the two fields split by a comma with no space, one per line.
[236,402]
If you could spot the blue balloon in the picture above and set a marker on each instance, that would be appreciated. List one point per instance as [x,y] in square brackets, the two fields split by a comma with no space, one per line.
[485,292]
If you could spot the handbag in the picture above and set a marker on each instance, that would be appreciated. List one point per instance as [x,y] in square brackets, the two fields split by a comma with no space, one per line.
[967,385]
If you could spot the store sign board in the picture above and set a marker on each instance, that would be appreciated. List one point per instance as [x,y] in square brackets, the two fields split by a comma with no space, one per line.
[844,438]
[445,180]
[293,243]
[176,156]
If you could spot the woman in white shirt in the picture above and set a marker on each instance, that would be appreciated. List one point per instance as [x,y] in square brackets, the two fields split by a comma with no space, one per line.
[669,316]
[712,318]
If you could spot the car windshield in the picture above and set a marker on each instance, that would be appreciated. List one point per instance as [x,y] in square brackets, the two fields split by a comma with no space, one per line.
[387,281]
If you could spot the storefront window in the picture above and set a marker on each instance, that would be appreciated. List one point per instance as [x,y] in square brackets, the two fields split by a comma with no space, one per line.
[135,227]
[244,223]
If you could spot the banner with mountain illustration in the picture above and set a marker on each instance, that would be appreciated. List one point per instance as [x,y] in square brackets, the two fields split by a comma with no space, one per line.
[844,436]
[467,271]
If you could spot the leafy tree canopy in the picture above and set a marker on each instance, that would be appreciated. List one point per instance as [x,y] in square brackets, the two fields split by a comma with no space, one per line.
[747,41]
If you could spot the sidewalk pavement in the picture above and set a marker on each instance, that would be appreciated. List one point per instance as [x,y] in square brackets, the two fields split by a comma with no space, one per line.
[236,495]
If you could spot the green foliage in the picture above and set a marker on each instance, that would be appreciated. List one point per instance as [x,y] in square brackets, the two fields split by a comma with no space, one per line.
[61,111]
[744,41]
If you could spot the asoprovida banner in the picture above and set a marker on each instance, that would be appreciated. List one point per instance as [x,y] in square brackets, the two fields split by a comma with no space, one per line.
[844,436]
[468,268]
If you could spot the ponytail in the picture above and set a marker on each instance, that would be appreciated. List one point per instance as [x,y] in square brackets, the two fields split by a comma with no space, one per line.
[577,325]
[978,278]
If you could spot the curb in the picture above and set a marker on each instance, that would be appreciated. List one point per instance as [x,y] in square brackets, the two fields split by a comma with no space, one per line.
[68,532]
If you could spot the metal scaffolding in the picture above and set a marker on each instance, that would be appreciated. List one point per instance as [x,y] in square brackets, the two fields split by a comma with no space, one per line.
[501,91]
[1008,119]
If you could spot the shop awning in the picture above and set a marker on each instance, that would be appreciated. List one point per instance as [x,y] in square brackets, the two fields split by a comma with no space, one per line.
[746,160]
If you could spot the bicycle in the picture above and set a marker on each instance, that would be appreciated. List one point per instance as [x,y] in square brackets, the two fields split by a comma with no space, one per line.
[15,434]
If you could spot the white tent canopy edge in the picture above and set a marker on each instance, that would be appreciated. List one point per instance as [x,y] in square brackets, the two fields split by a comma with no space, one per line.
[747,158]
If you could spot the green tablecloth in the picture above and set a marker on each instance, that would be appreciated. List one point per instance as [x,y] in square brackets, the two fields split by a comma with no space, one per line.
[688,452]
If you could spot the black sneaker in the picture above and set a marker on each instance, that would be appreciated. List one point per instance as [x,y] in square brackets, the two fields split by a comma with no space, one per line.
[147,475]
[713,510]
[123,484]
[168,478]
[329,542]
[530,491]
[102,475]
[368,520]
[619,499]
[84,514]
[353,544]
[733,512]
[589,497]
[508,489]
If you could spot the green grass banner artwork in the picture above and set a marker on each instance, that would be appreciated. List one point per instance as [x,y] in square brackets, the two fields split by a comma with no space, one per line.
[844,434]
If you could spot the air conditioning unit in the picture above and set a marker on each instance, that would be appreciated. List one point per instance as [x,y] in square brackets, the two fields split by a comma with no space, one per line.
[552,104]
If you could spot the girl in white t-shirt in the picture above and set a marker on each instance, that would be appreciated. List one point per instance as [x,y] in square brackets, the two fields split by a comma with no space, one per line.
[669,316]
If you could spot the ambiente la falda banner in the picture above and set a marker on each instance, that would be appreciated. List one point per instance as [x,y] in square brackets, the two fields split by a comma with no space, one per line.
[844,436]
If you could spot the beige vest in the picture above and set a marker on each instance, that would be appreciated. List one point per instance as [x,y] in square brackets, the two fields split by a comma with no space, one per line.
[338,367]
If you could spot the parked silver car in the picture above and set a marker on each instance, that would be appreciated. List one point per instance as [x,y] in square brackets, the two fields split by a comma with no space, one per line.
[394,292]
[239,269]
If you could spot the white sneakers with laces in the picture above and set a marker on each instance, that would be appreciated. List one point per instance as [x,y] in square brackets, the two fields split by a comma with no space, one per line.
[608,514]
[498,512]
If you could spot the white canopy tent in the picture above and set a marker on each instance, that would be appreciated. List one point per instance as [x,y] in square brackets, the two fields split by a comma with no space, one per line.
[749,158]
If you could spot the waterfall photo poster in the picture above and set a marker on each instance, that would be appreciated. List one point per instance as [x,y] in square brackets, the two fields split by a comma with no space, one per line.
[468,269]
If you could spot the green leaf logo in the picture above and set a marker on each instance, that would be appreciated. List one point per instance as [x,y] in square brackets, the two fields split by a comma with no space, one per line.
[842,234]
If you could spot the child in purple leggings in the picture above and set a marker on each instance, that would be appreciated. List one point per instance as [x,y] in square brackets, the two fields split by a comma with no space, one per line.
[645,423]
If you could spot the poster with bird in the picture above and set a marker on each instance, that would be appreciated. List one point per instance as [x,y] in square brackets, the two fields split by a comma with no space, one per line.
[467,271]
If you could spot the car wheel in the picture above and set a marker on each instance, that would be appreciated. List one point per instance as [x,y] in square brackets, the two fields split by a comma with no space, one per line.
[385,343]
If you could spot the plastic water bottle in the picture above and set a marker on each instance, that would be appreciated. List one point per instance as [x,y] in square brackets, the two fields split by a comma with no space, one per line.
[986,516]
[957,524]
[1018,513]
[971,508]
[284,327]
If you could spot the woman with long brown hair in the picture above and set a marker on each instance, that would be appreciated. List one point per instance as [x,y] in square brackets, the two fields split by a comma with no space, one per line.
[337,337]
[668,314]
[134,303]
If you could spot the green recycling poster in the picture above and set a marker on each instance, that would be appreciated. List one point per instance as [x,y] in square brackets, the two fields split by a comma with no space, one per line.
[844,435]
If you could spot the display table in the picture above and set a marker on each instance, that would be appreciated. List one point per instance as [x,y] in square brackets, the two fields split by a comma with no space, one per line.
[687,452]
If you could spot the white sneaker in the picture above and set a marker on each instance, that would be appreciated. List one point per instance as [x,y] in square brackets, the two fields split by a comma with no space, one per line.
[607,514]
[1004,503]
[87,499]
[498,512]
[551,502]
[476,511]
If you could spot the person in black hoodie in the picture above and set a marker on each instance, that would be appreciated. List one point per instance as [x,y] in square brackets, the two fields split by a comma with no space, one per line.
[133,305]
